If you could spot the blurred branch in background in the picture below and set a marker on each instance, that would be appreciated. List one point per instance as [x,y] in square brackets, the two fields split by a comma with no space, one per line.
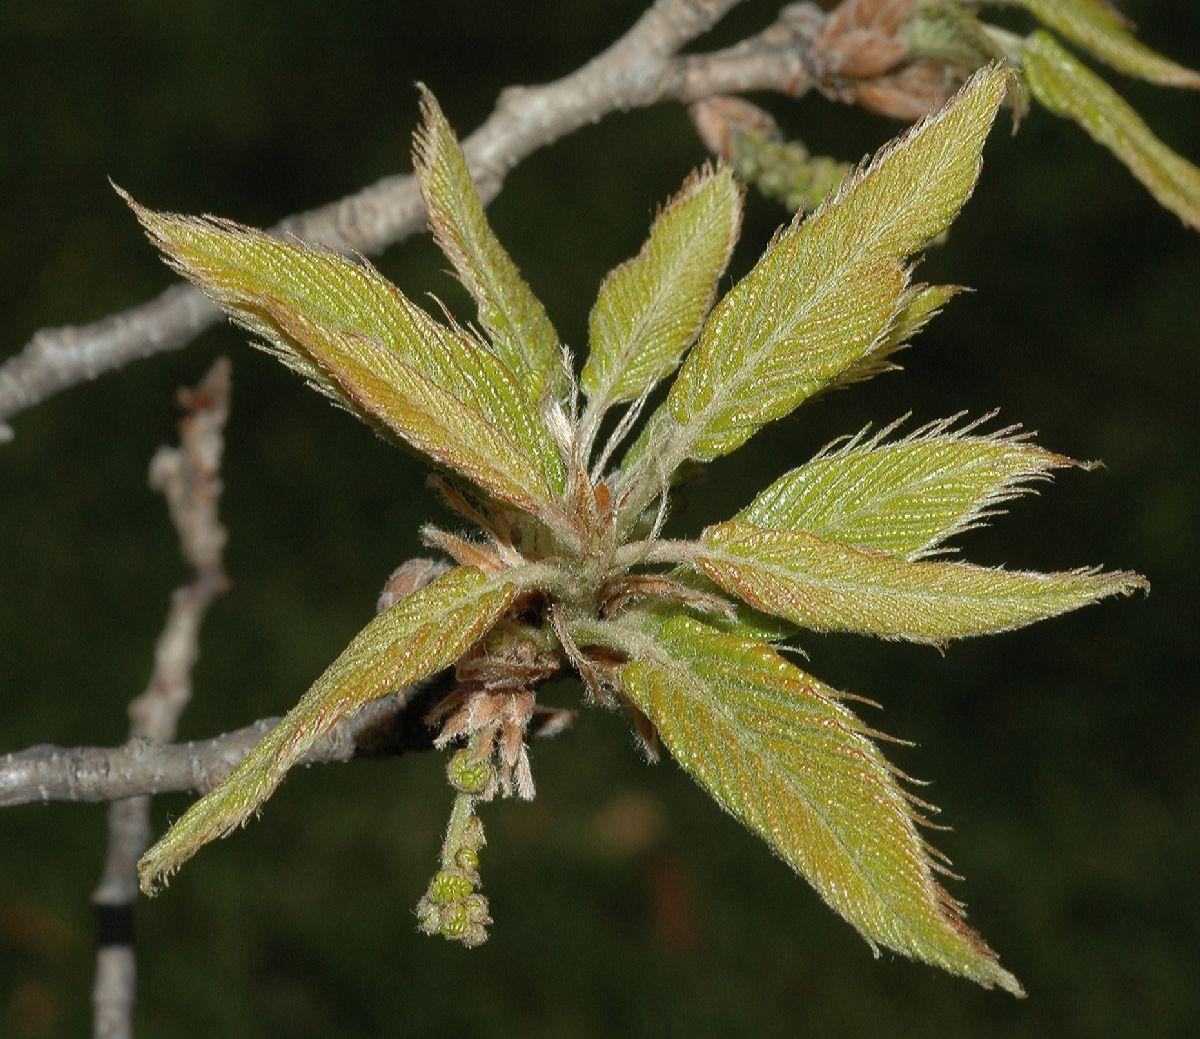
[189,477]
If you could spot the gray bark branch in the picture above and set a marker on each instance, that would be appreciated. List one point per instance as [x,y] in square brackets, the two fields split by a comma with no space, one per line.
[642,68]
[386,727]
[140,767]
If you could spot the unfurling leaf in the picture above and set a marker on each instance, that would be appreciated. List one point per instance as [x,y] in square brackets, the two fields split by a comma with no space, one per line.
[947,31]
[511,314]
[778,751]
[948,34]
[1070,89]
[904,497]
[650,308]
[828,290]
[422,634]
[1101,30]
[827,586]
[360,340]
[925,303]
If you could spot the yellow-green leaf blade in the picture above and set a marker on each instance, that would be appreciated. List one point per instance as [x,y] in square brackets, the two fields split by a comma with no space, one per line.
[450,427]
[924,304]
[419,636]
[778,751]
[827,586]
[903,497]
[650,308]
[1095,26]
[513,316]
[1069,89]
[829,289]
[277,289]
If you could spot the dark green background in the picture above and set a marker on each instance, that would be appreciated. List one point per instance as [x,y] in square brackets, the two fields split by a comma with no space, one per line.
[1065,755]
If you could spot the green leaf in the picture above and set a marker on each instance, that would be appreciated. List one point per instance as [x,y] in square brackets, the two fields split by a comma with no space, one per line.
[513,316]
[361,341]
[925,303]
[829,289]
[906,497]
[778,751]
[650,308]
[456,430]
[1102,31]
[422,634]
[828,586]
[1069,89]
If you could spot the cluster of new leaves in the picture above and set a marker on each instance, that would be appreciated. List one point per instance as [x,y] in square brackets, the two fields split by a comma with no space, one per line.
[569,571]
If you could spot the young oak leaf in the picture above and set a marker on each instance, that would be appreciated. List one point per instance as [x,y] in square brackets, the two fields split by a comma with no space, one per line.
[512,315]
[1068,88]
[422,634]
[827,291]
[650,308]
[333,320]
[776,749]
[904,497]
[1102,31]
[827,586]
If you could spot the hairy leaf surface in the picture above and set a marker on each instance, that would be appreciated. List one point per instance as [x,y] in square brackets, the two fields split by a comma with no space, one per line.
[778,751]
[513,316]
[1070,89]
[357,325]
[925,303]
[1102,31]
[451,429]
[650,308]
[906,497]
[828,586]
[830,288]
[422,634]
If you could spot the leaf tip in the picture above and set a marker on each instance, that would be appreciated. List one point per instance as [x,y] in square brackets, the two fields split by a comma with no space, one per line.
[1007,981]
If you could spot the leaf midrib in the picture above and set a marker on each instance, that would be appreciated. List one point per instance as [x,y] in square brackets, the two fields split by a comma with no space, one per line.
[709,551]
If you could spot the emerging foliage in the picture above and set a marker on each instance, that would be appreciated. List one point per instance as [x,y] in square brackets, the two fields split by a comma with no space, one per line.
[422,634]
[827,586]
[827,292]
[1069,88]
[512,315]
[903,497]
[777,749]
[1101,30]
[955,32]
[650,308]
[363,343]
[570,573]
[903,58]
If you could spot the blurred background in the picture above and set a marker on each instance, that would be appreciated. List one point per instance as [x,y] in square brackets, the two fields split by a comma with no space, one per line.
[1065,756]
